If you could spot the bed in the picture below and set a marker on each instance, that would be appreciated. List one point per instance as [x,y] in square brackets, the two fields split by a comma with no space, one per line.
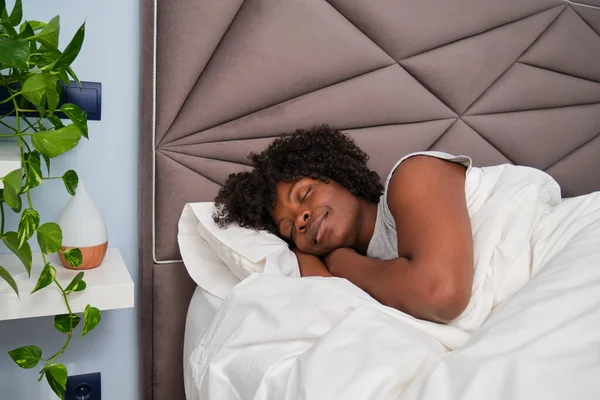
[514,81]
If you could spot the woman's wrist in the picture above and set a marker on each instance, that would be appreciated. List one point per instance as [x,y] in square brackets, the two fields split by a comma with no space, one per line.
[311,265]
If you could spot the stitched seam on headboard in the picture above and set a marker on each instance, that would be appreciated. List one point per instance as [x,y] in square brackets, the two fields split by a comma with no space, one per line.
[154,45]
[582,5]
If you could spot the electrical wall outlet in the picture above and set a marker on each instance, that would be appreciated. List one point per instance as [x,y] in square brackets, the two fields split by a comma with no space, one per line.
[84,387]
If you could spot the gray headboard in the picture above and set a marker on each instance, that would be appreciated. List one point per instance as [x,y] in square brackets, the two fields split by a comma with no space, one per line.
[503,81]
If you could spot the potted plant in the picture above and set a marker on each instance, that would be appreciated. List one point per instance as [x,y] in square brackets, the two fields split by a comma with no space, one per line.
[32,73]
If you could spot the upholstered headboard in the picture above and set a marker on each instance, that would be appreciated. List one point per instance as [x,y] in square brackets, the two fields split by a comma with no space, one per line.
[503,81]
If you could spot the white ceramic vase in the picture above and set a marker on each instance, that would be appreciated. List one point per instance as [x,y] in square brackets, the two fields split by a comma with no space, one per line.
[83,227]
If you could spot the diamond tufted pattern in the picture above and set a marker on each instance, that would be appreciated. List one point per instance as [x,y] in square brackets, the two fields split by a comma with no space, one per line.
[503,81]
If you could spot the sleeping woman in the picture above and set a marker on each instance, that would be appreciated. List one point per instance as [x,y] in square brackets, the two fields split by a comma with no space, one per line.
[407,243]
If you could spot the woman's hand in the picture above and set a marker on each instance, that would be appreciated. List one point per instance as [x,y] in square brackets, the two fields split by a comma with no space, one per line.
[339,260]
[310,265]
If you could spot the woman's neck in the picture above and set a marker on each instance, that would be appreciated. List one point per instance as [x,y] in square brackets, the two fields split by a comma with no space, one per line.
[367,218]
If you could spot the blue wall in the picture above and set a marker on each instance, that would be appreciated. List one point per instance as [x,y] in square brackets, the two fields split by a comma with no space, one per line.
[109,165]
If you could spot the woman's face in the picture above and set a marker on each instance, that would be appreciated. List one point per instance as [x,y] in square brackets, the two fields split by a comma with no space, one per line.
[318,217]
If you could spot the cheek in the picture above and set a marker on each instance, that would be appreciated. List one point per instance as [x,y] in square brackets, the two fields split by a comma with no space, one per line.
[347,214]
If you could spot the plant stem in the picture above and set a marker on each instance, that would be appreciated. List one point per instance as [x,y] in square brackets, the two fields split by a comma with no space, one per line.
[29,199]
[8,126]
[69,334]
[2,215]
[27,145]
[10,98]
[49,178]
[7,135]
[18,129]
[29,123]
[27,110]
[7,114]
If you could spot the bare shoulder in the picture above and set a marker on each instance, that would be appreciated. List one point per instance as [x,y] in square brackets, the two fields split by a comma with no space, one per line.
[422,175]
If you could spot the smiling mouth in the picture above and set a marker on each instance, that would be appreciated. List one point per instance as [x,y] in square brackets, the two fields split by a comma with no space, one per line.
[317,228]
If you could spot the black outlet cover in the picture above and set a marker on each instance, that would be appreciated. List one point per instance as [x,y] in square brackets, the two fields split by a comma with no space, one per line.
[84,387]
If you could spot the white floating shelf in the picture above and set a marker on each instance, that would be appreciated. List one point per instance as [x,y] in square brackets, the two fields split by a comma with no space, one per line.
[109,287]
[10,158]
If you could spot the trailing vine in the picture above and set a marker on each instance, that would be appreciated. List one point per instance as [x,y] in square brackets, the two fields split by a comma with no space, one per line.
[33,72]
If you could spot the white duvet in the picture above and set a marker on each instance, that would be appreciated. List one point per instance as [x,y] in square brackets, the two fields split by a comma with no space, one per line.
[530,331]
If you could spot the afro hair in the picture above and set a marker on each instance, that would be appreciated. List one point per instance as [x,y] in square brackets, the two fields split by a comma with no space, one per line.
[323,153]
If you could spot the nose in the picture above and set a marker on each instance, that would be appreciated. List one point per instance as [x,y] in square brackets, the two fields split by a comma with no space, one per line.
[302,220]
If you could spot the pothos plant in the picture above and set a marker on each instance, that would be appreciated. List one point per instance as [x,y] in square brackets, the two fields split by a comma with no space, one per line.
[32,69]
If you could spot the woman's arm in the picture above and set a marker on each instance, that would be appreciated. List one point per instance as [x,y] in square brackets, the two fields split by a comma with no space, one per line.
[432,278]
[311,265]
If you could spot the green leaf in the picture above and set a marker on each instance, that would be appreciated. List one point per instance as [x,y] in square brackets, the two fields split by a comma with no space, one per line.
[75,285]
[12,198]
[33,48]
[15,53]
[64,77]
[26,31]
[27,356]
[8,28]
[52,92]
[46,278]
[2,6]
[71,180]
[53,98]
[38,85]
[12,189]
[49,34]
[33,170]
[34,88]
[72,50]
[47,57]
[30,221]
[17,14]
[4,274]
[55,143]
[77,116]
[35,25]
[74,258]
[61,322]
[11,241]
[13,179]
[91,318]
[56,375]
[49,237]
[56,122]
[72,74]
[47,162]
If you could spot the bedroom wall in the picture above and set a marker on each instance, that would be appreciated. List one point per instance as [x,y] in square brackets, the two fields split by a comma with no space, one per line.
[108,163]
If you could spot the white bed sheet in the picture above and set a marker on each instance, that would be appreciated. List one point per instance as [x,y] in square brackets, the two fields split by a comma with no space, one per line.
[537,274]
[201,311]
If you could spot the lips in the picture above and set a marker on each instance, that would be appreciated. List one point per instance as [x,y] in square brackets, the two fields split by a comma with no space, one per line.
[318,227]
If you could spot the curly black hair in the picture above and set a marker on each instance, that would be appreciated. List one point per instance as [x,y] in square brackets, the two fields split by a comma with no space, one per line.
[323,153]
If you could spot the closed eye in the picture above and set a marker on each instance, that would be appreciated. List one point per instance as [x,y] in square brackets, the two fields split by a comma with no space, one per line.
[306,194]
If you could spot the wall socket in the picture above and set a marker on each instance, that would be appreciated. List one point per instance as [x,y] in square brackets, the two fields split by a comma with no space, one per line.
[84,387]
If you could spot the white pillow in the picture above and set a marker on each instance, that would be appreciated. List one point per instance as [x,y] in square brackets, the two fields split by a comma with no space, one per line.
[242,251]
[201,262]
